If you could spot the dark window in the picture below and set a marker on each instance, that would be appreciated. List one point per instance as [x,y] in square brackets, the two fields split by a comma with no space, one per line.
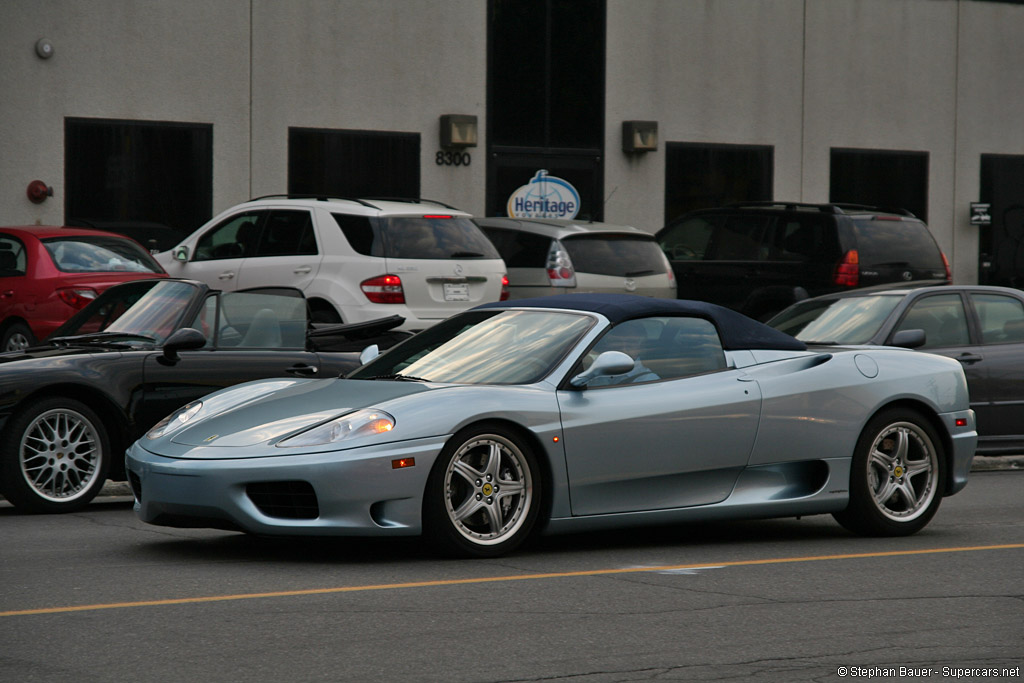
[546,73]
[662,348]
[740,238]
[360,234]
[701,176]
[623,256]
[886,242]
[287,233]
[353,163]
[520,249]
[1001,318]
[235,237]
[131,175]
[880,178]
[435,238]
[941,317]
[12,256]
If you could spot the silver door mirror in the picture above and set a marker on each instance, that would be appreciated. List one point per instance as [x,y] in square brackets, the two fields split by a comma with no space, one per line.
[368,354]
[608,363]
[180,254]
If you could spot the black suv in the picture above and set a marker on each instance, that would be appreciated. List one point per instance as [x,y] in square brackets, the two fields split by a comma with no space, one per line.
[759,257]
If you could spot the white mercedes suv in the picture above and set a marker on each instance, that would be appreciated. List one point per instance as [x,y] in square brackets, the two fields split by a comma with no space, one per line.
[355,259]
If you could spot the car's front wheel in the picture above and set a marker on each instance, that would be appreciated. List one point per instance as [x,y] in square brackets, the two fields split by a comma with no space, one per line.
[484,493]
[54,456]
[896,476]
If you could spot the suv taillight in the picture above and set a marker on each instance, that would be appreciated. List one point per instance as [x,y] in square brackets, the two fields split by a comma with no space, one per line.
[77,297]
[504,288]
[384,289]
[848,270]
[949,273]
[559,266]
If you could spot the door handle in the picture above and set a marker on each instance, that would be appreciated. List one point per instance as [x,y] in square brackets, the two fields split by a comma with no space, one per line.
[227,275]
[969,358]
[6,293]
[303,369]
[302,270]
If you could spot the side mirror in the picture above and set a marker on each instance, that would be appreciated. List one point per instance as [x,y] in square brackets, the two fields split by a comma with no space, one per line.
[180,254]
[185,339]
[368,354]
[909,339]
[608,363]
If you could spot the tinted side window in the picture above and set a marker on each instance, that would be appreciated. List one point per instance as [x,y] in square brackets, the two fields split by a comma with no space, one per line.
[798,238]
[12,256]
[1001,317]
[888,241]
[360,234]
[688,240]
[520,249]
[740,239]
[236,237]
[416,237]
[622,256]
[287,233]
[941,317]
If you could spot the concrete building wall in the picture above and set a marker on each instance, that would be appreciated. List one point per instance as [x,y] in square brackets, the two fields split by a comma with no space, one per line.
[944,77]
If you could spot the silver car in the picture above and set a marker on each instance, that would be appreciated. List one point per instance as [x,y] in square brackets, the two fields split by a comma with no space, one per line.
[547,256]
[566,413]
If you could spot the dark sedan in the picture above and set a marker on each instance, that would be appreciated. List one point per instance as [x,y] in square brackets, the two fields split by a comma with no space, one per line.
[982,327]
[70,407]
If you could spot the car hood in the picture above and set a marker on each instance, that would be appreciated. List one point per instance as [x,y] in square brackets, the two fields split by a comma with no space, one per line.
[49,352]
[265,411]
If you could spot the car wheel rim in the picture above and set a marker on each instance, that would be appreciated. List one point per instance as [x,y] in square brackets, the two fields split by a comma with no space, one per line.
[60,455]
[902,471]
[488,490]
[17,342]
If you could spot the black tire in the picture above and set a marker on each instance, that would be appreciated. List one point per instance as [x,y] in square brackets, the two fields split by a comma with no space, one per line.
[896,476]
[324,313]
[16,336]
[54,456]
[484,493]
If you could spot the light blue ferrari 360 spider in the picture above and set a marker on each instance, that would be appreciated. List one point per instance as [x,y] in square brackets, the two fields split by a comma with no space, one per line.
[567,413]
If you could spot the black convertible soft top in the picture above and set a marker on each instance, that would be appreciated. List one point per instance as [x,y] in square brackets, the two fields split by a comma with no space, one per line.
[736,330]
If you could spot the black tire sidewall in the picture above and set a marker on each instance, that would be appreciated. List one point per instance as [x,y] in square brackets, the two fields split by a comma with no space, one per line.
[438,528]
[10,331]
[12,482]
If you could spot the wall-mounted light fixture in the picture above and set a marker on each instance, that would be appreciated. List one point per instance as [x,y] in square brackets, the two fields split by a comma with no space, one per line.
[639,136]
[458,130]
[38,191]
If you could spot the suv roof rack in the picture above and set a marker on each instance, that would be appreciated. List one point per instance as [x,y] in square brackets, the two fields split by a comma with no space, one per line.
[317,197]
[834,207]
[412,200]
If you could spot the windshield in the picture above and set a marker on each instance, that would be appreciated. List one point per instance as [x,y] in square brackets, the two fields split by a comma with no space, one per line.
[619,255]
[853,320]
[483,347]
[99,254]
[150,308]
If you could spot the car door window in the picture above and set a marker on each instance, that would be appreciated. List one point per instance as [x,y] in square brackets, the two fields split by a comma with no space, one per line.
[520,249]
[259,320]
[662,348]
[689,239]
[236,237]
[1001,318]
[287,233]
[12,257]
[740,239]
[941,317]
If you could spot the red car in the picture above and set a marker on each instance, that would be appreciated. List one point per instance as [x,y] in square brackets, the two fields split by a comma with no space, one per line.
[47,274]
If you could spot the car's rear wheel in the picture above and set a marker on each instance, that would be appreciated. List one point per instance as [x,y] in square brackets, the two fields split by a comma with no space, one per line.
[54,456]
[16,337]
[484,493]
[896,476]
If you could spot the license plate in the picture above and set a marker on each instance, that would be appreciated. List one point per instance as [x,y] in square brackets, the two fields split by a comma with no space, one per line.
[456,291]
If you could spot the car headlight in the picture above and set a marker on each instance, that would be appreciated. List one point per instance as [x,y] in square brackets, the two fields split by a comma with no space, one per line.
[353,425]
[174,420]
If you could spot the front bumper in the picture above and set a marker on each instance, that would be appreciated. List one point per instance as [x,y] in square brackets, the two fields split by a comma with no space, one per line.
[964,439]
[355,492]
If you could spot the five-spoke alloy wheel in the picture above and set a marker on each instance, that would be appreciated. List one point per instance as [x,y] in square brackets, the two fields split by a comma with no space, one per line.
[483,495]
[896,476]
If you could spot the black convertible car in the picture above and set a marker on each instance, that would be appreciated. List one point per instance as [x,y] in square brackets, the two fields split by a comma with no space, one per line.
[70,406]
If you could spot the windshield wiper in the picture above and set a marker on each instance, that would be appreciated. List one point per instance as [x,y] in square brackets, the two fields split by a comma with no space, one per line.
[820,343]
[399,378]
[637,273]
[115,339]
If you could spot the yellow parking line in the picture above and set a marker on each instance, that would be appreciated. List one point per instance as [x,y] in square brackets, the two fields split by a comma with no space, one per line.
[496,579]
